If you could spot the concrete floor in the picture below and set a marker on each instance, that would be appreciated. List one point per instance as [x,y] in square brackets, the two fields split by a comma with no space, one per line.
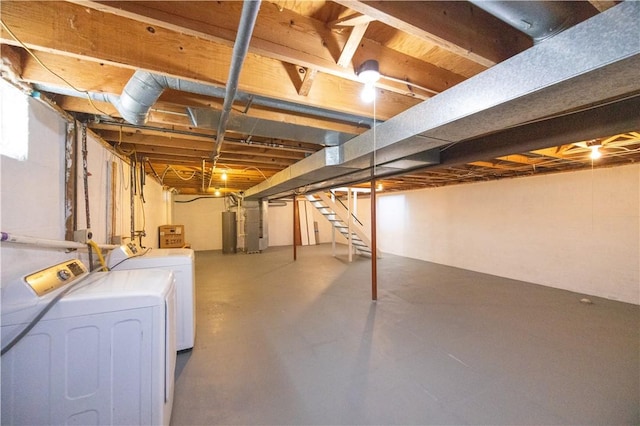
[283,342]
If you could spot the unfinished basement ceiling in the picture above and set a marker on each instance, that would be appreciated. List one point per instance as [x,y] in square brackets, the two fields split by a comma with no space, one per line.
[298,92]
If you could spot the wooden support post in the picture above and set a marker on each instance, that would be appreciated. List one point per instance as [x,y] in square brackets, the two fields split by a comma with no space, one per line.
[374,244]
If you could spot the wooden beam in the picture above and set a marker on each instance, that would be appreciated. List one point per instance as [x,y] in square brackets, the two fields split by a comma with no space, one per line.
[11,61]
[198,147]
[178,134]
[459,27]
[80,32]
[350,47]
[307,81]
[554,152]
[350,20]
[602,5]
[520,159]
[279,34]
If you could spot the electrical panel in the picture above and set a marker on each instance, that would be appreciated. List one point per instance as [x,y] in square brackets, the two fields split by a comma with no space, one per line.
[171,236]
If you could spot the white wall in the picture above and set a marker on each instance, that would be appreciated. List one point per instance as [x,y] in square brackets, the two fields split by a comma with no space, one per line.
[281,224]
[149,215]
[33,194]
[578,231]
[202,220]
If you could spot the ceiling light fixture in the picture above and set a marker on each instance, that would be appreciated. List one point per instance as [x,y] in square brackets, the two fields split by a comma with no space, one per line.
[217,192]
[369,73]
[224,175]
[595,152]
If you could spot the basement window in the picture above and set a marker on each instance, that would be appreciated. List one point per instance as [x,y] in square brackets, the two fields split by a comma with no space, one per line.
[14,122]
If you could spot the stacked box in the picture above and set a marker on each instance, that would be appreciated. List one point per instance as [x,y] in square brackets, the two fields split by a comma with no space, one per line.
[171,236]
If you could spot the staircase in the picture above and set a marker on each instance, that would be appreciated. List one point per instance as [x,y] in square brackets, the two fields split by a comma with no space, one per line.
[339,216]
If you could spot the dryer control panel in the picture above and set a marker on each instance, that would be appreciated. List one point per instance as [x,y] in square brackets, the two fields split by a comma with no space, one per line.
[53,277]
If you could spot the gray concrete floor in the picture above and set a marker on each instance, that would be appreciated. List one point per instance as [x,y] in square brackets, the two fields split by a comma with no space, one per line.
[283,342]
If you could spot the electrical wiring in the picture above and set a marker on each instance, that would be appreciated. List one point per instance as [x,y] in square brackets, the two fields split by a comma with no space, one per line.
[124,183]
[119,148]
[131,257]
[255,168]
[192,200]
[144,218]
[177,174]
[35,57]
[154,171]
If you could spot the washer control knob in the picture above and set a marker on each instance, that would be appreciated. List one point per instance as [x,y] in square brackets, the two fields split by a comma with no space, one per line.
[64,275]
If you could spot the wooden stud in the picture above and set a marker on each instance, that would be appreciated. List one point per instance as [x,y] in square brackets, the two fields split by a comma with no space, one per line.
[350,47]
[307,81]
[459,27]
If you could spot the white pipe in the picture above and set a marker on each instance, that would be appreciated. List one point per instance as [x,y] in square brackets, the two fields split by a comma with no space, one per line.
[43,242]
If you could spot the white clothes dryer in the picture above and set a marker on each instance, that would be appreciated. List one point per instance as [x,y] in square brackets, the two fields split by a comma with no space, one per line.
[181,262]
[104,354]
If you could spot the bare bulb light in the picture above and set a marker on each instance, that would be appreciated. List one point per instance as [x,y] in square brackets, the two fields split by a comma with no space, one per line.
[595,152]
[224,176]
[368,73]
[368,93]
[217,192]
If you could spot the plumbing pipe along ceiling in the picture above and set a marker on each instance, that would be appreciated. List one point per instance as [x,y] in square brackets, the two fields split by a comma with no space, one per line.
[267,92]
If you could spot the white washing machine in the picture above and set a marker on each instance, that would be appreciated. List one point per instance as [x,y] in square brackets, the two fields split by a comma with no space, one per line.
[181,262]
[104,354]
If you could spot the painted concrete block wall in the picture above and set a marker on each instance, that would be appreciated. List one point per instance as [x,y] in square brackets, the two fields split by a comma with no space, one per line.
[148,214]
[202,220]
[577,231]
[32,196]
[33,193]
[281,224]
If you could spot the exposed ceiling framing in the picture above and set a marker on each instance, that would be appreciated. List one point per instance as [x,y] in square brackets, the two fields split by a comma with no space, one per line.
[300,92]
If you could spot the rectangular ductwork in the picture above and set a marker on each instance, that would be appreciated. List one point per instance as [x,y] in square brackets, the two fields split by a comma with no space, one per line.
[590,64]
[208,118]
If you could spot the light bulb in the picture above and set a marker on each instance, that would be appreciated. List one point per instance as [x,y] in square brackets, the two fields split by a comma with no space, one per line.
[368,93]
[380,187]
[224,176]
[217,192]
[595,152]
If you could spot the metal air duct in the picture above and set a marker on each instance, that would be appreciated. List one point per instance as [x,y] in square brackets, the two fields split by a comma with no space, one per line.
[538,19]
[248,18]
[585,66]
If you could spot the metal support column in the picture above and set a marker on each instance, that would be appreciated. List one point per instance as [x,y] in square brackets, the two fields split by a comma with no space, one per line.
[333,230]
[349,225]
[295,215]
[374,244]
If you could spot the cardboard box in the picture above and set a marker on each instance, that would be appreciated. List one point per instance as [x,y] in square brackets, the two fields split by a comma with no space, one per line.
[171,236]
